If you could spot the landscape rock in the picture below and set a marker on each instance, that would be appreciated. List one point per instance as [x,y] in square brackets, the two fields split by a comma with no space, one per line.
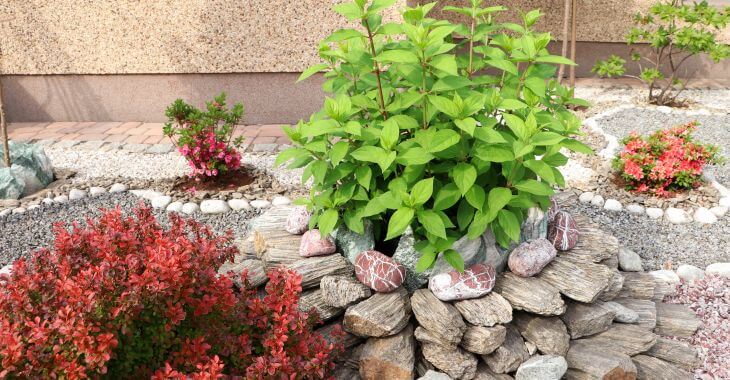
[239,204]
[613,205]
[312,269]
[530,257]
[704,215]
[483,340]
[654,213]
[592,361]
[542,367]
[576,278]
[623,313]
[313,244]
[407,255]
[298,220]
[280,200]
[214,206]
[260,204]
[535,225]
[677,216]
[350,243]
[648,367]
[481,250]
[312,299]
[382,314]
[530,294]
[719,211]
[508,357]
[76,194]
[689,273]
[639,285]
[724,202]
[161,201]
[598,201]
[548,334]
[60,198]
[484,373]
[586,197]
[190,208]
[486,311]
[587,319]
[675,352]
[176,206]
[552,210]
[392,357]
[96,190]
[29,166]
[676,320]
[342,291]
[720,269]
[629,260]
[256,275]
[438,317]
[381,273]
[627,339]
[454,361]
[426,336]
[635,209]
[645,308]
[118,188]
[476,281]
[433,375]
[563,232]
[665,275]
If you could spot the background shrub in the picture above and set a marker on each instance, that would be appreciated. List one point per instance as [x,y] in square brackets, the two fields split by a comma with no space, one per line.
[124,298]
[205,138]
[451,129]
[667,160]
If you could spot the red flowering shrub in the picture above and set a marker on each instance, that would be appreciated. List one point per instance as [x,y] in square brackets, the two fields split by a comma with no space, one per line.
[205,138]
[666,161]
[123,297]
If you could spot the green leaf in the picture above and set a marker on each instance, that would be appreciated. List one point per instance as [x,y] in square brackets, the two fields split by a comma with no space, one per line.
[464,215]
[464,176]
[536,85]
[386,160]
[479,224]
[467,125]
[399,221]
[428,257]
[368,153]
[556,59]
[476,197]
[351,11]
[446,197]
[510,224]
[414,156]
[451,83]
[398,56]
[363,174]
[503,65]
[534,187]
[541,169]
[379,5]
[422,191]
[454,259]
[498,198]
[389,134]
[445,63]
[432,222]
[511,104]
[327,221]
[494,153]
[444,105]
[577,146]
[443,139]
[338,152]
[312,70]
[343,34]
[546,138]
[289,154]
[517,126]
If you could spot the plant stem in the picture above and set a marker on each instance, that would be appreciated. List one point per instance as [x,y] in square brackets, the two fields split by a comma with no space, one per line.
[425,98]
[471,49]
[377,70]
[573,37]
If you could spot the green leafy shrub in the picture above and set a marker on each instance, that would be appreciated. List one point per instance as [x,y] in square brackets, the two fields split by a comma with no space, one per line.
[451,129]
[675,32]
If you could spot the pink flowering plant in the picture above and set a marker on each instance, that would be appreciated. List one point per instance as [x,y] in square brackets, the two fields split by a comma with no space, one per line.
[205,137]
[666,161]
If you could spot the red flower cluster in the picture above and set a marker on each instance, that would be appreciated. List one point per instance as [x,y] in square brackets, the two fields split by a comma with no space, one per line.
[207,155]
[666,161]
[125,298]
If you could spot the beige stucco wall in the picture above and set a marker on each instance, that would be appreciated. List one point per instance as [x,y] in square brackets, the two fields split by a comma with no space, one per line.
[214,36]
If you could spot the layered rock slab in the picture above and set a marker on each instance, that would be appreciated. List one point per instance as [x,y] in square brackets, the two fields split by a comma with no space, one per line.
[530,294]
[392,357]
[548,334]
[382,314]
[441,318]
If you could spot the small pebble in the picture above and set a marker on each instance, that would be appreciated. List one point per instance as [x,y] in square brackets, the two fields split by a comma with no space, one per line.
[174,207]
[260,203]
[597,201]
[161,201]
[586,197]
[76,194]
[613,205]
[280,201]
[118,188]
[654,213]
[95,190]
[47,201]
[190,208]
[239,204]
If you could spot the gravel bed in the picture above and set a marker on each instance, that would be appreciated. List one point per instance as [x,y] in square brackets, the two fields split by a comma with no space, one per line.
[23,233]
[715,99]
[713,129]
[660,242]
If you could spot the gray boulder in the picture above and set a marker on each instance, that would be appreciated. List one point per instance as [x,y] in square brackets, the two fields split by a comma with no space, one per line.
[29,166]
[350,243]
[11,187]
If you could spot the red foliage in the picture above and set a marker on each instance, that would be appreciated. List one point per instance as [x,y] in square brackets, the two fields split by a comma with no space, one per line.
[667,160]
[125,298]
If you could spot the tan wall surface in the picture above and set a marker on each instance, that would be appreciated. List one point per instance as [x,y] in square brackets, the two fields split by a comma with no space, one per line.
[214,36]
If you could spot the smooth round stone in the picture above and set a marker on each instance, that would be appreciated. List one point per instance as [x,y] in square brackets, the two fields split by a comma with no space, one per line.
[313,244]
[654,213]
[5,212]
[147,194]
[176,206]
[47,201]
[725,201]
[19,210]
[666,275]
[381,273]
[239,204]
[474,282]
[690,273]
[720,269]
[118,188]
[260,203]
[298,220]
[530,257]
[598,201]
[7,270]
[95,190]
[33,207]
[563,232]
[664,109]
[161,201]
[190,208]
[61,199]
[553,209]
[280,201]
[214,206]
[76,194]
[704,215]
[719,211]
[677,216]
[586,197]
[613,205]
[635,209]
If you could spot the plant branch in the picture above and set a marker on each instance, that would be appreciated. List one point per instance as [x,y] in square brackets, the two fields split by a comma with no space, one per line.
[377,70]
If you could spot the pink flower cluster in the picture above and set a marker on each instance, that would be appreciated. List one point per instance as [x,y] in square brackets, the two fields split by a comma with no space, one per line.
[667,160]
[207,155]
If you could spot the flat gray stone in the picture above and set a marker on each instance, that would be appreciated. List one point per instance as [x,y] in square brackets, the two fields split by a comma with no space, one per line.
[265,147]
[542,367]
[135,148]
[160,148]
[90,145]
[629,261]
[65,144]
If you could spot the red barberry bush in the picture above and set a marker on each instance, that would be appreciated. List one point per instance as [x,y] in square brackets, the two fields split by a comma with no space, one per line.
[667,161]
[122,297]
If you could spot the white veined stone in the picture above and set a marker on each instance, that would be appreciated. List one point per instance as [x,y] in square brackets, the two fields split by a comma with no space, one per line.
[635,209]
[260,203]
[118,188]
[161,201]
[690,272]
[280,201]
[677,216]
[75,194]
[654,213]
[719,211]
[174,207]
[722,269]
[613,205]
[239,204]
[95,190]
[597,201]
[190,208]
[704,215]
[586,197]
[214,206]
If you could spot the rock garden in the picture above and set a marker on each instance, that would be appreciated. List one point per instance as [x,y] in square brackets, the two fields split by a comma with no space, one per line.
[452,212]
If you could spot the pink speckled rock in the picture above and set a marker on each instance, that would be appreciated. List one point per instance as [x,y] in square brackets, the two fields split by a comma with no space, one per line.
[298,220]
[553,210]
[379,272]
[314,245]
[530,257]
[475,281]
[562,231]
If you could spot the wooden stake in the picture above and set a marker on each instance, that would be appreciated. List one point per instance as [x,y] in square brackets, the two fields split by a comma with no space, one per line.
[564,49]
[573,15]
[4,130]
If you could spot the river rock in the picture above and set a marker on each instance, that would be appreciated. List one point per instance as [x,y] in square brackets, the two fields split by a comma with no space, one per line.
[382,314]
[239,205]
[720,269]
[677,216]
[634,208]
[486,311]
[481,250]
[586,197]
[280,200]
[629,260]
[298,220]
[530,257]
[475,281]
[542,367]
[96,191]
[483,340]
[350,243]
[563,232]
[190,208]
[438,317]
[548,334]
[174,207]
[118,188]
[654,213]
[342,291]
[454,361]
[552,210]
[598,201]
[259,204]
[690,273]
[161,201]
[704,215]
[313,244]
[381,273]
[214,206]
[392,357]
[76,194]
[508,357]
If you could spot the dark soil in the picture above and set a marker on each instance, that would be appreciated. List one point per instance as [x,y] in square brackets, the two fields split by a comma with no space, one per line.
[230,180]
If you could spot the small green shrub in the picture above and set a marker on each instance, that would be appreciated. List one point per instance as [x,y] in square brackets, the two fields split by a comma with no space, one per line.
[675,32]
[451,129]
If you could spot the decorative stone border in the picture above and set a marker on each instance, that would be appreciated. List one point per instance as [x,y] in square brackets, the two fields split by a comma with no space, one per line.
[630,261]
[673,215]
